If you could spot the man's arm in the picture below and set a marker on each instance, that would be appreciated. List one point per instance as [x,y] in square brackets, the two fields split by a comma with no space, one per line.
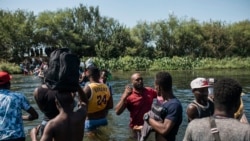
[192,112]
[48,133]
[82,104]
[35,94]
[87,91]
[162,128]
[121,105]
[82,96]
[110,104]
[32,114]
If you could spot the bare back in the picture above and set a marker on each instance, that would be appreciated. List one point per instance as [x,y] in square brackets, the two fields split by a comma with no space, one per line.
[66,127]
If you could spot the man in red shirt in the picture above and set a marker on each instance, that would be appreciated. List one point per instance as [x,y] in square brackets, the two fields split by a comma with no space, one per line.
[137,99]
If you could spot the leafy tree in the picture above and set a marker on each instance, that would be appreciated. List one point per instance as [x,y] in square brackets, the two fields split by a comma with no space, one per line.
[216,40]
[240,34]
[188,39]
[143,37]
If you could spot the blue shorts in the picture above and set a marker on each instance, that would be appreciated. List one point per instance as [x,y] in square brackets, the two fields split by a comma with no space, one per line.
[91,125]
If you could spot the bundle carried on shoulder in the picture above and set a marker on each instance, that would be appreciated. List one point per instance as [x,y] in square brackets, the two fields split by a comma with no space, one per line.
[63,70]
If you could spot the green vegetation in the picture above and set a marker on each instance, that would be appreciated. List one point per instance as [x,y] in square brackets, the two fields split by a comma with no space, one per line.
[171,44]
[145,64]
[10,67]
[176,63]
[88,34]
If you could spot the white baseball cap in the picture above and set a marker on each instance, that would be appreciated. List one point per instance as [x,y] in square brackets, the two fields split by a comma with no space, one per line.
[199,83]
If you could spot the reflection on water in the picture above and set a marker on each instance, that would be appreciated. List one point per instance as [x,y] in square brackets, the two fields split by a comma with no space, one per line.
[118,129]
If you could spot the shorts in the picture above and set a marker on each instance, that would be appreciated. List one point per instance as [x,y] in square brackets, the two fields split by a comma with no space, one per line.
[91,125]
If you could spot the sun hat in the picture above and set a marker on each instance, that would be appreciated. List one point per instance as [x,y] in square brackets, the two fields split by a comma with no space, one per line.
[199,83]
[4,77]
[89,63]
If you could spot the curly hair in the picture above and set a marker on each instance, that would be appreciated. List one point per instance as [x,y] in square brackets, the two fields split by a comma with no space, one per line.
[164,80]
[227,93]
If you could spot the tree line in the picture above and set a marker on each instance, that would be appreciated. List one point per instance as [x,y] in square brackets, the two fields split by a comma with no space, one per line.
[88,34]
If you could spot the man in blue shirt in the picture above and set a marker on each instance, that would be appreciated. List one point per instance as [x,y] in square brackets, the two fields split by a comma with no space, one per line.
[11,106]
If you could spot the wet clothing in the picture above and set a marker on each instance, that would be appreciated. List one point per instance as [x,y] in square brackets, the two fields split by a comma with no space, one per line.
[138,104]
[99,97]
[91,125]
[230,129]
[11,122]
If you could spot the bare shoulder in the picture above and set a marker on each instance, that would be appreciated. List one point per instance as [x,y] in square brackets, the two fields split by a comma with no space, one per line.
[191,107]
[52,123]
[192,111]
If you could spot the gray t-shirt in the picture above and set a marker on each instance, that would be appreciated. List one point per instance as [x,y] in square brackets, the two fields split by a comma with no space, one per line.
[229,129]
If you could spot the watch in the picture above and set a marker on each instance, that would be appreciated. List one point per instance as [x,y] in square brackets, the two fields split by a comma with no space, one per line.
[146,117]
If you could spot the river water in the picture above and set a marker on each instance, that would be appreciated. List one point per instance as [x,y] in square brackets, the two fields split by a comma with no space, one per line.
[118,129]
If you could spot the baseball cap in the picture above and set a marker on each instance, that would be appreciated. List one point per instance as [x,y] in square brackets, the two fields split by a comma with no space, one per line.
[4,77]
[199,83]
[89,63]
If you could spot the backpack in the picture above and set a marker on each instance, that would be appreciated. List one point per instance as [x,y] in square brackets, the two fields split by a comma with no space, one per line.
[63,71]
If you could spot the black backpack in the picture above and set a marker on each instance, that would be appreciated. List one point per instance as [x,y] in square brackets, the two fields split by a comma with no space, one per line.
[63,71]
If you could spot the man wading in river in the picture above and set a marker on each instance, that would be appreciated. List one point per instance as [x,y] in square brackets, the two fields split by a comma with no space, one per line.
[100,101]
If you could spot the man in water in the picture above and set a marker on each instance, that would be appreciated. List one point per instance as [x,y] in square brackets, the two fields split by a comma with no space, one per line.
[168,128]
[201,106]
[11,106]
[100,101]
[138,100]
[68,125]
[222,125]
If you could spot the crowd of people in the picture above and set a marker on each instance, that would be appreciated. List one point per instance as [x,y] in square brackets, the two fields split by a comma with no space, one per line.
[215,113]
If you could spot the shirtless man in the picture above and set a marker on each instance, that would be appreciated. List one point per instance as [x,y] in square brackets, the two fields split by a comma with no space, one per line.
[100,101]
[68,125]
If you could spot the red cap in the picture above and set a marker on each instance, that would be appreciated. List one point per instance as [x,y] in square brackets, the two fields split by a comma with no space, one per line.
[4,77]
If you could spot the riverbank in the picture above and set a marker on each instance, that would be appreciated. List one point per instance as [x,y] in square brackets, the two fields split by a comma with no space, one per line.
[129,63]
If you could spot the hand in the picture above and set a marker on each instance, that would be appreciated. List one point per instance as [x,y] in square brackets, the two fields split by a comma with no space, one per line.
[137,127]
[128,90]
[34,133]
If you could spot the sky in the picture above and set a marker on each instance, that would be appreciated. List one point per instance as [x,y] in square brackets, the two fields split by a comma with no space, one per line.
[130,12]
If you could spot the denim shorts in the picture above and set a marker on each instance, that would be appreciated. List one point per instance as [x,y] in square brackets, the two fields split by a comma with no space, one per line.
[91,125]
